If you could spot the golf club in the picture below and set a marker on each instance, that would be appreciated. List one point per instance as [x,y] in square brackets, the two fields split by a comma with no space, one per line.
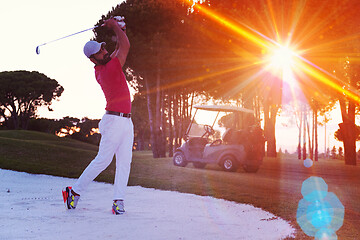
[38,47]
[119,19]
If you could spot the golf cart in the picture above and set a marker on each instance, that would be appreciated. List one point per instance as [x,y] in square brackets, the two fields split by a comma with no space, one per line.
[242,144]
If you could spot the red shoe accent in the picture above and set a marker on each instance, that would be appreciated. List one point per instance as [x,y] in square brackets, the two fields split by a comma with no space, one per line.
[65,194]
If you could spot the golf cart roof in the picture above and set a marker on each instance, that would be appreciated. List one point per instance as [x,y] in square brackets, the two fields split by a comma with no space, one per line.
[223,108]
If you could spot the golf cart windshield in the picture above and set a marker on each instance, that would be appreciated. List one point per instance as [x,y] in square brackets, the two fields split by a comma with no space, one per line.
[197,130]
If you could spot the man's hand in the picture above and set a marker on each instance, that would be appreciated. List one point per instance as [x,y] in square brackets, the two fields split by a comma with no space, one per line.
[121,22]
[111,23]
[114,22]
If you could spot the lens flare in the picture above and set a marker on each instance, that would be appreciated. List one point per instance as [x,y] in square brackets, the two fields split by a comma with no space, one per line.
[320,213]
[308,163]
[282,57]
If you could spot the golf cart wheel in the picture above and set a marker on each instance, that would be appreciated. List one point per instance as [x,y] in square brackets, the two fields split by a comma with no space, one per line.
[179,159]
[251,168]
[228,163]
[199,165]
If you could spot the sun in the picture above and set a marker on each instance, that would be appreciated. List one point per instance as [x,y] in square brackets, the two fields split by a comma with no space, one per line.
[281,57]
[280,62]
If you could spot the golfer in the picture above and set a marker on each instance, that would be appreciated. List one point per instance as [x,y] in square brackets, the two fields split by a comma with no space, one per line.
[116,127]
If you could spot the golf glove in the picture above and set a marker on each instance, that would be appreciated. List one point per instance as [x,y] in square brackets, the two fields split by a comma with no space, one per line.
[120,20]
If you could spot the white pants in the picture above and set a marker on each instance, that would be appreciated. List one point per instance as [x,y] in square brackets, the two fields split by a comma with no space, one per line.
[117,136]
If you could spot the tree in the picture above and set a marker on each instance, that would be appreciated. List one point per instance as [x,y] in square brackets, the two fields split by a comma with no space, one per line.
[21,92]
[333,153]
[327,153]
[341,59]
[348,129]
[157,33]
[341,153]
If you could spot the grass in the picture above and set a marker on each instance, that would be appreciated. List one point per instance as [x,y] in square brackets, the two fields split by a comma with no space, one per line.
[276,187]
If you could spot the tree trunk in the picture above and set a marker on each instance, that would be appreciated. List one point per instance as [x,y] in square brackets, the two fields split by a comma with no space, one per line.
[316,136]
[157,121]
[186,106]
[151,119]
[191,103]
[162,140]
[304,135]
[141,142]
[348,129]
[180,120]
[171,133]
[15,119]
[270,113]
[272,144]
[309,140]
[300,130]
[14,116]
[176,121]
[313,135]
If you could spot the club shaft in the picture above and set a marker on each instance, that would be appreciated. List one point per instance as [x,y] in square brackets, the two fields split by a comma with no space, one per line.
[68,36]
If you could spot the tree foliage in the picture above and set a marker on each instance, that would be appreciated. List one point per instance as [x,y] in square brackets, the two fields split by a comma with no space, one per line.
[140,118]
[21,92]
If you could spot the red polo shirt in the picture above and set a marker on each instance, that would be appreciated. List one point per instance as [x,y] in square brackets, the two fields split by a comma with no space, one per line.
[113,83]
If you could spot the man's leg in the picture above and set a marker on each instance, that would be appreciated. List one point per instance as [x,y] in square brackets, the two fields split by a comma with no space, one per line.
[107,149]
[123,160]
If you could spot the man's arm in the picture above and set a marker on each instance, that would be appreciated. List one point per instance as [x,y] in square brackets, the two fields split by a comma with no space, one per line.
[122,41]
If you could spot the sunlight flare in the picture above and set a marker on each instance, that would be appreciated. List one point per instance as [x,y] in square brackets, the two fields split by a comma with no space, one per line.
[281,57]
[289,62]
[281,61]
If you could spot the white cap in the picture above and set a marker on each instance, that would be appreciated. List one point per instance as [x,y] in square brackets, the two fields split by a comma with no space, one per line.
[92,47]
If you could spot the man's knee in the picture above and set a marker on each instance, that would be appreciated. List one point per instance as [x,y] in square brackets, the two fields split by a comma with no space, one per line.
[101,163]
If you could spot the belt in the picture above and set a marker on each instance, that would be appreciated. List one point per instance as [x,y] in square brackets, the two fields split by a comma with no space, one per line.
[125,115]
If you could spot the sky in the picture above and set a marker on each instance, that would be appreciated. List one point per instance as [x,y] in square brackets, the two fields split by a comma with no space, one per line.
[27,24]
[39,213]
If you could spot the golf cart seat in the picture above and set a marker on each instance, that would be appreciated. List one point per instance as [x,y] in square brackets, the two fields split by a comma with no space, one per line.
[197,145]
[198,142]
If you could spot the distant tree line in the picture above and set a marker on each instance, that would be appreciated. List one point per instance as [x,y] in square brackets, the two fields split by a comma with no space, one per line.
[79,129]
